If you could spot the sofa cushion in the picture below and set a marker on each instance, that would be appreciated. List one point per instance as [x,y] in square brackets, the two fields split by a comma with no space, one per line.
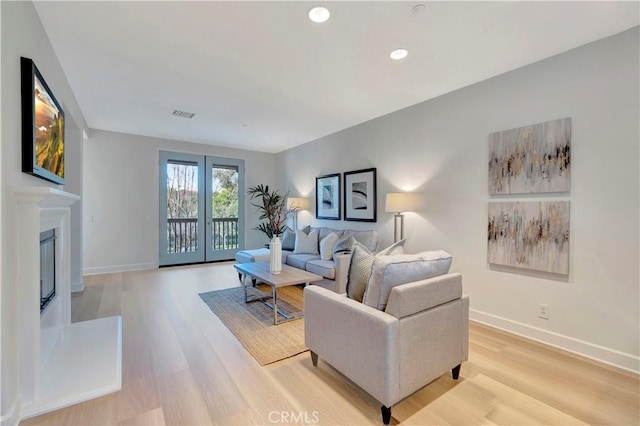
[324,231]
[288,239]
[326,246]
[326,268]
[367,238]
[359,271]
[306,243]
[300,260]
[390,271]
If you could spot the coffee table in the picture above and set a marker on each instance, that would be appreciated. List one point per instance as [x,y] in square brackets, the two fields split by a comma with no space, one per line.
[288,276]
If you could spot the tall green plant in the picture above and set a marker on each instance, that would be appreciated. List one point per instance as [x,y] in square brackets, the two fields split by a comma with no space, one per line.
[273,208]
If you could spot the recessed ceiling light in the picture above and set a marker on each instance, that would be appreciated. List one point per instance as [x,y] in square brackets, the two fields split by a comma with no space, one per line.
[398,54]
[319,14]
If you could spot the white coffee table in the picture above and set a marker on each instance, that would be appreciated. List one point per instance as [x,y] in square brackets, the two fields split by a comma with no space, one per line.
[288,276]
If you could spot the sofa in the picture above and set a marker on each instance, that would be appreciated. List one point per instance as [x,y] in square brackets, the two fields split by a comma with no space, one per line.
[333,269]
[405,333]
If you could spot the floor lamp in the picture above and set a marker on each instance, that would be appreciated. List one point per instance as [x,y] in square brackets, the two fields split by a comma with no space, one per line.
[294,205]
[399,202]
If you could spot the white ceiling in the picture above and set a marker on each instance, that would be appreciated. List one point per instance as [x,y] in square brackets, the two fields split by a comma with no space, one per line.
[261,76]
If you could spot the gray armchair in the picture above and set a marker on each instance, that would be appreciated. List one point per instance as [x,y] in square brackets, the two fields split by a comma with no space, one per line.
[422,333]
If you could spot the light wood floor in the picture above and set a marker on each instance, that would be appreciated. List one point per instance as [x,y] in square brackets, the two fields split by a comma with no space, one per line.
[182,366]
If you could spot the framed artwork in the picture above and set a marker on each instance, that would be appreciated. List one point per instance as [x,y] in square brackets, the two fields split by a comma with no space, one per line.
[531,159]
[328,197]
[42,126]
[360,195]
[529,235]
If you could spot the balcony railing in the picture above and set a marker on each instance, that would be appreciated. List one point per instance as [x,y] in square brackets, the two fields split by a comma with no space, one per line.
[182,234]
[225,233]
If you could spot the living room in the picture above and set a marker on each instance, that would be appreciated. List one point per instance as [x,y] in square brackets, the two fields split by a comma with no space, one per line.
[436,148]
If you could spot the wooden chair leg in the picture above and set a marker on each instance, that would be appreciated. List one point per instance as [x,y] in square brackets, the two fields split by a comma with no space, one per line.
[314,358]
[455,372]
[386,414]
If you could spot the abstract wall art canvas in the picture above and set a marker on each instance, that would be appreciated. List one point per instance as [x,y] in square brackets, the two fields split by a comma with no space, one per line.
[328,197]
[531,159]
[530,235]
[360,195]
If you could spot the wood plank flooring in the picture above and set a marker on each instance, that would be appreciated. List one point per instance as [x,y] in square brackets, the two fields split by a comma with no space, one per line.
[182,366]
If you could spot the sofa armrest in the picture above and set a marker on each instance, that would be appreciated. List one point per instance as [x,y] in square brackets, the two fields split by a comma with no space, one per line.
[411,298]
[342,262]
[358,340]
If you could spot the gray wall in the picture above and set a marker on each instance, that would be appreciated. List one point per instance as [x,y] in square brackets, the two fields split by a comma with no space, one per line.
[439,148]
[23,35]
[121,205]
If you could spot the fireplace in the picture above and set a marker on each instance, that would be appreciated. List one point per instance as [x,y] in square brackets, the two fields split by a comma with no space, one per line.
[61,363]
[47,267]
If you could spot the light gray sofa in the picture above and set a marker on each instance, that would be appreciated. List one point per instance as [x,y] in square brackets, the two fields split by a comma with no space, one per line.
[422,333]
[334,272]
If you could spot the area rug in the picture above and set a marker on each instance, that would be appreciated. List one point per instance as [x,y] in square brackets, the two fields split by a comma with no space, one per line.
[252,324]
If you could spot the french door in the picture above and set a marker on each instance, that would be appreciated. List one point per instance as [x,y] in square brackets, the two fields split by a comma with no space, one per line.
[201,208]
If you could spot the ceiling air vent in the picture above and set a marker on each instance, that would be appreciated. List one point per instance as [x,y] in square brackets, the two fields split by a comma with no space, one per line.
[182,114]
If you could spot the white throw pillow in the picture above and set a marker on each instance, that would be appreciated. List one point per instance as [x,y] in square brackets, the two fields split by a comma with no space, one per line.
[306,244]
[326,246]
[390,271]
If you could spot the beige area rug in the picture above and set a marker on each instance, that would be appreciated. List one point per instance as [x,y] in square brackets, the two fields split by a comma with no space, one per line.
[252,324]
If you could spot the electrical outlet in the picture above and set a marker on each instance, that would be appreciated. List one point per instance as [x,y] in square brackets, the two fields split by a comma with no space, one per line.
[543,311]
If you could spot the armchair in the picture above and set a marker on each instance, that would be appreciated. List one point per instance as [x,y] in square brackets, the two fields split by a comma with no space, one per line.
[422,333]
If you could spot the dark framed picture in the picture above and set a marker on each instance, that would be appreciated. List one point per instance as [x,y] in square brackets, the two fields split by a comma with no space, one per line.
[42,126]
[328,197]
[360,195]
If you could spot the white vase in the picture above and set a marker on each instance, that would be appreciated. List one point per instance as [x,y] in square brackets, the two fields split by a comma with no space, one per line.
[275,260]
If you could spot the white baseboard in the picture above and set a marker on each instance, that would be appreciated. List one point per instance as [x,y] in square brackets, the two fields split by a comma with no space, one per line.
[12,416]
[589,350]
[76,287]
[118,268]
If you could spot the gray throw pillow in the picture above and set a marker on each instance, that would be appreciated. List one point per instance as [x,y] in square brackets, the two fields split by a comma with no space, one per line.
[343,245]
[359,271]
[288,239]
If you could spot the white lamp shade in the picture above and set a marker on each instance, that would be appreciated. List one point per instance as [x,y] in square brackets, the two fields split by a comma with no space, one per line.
[297,203]
[402,202]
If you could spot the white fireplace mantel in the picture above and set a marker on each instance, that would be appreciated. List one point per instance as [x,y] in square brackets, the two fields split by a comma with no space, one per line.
[60,363]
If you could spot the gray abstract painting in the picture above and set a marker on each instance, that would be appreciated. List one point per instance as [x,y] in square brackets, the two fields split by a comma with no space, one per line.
[530,235]
[531,159]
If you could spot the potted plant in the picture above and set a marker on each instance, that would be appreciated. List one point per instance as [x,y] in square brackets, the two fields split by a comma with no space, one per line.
[273,208]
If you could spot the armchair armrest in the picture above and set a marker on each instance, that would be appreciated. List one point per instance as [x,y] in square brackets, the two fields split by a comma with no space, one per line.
[360,341]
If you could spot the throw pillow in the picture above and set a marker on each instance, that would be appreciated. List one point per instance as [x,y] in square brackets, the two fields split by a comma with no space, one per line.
[306,229]
[288,239]
[393,249]
[343,245]
[306,244]
[359,271]
[326,246]
[390,271]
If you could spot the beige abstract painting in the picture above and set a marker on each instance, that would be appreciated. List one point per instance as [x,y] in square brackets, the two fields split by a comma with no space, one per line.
[530,235]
